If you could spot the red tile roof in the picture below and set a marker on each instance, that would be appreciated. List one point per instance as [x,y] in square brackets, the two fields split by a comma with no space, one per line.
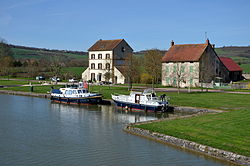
[105,45]
[184,52]
[230,64]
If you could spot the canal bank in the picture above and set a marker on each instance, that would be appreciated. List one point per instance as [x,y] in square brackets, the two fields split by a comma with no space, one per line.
[176,109]
[186,144]
[39,132]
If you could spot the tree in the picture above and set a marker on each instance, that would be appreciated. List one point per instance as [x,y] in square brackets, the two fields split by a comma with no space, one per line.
[131,69]
[56,65]
[179,74]
[152,64]
[5,50]
[6,59]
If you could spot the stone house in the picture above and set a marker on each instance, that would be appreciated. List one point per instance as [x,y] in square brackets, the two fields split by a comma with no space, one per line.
[106,59]
[192,65]
[234,72]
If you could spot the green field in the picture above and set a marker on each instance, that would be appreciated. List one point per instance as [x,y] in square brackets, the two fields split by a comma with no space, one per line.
[36,89]
[245,68]
[76,70]
[22,53]
[222,101]
[15,82]
[228,131]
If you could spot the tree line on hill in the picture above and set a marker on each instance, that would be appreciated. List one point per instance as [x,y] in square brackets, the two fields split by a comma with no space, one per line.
[50,50]
[9,66]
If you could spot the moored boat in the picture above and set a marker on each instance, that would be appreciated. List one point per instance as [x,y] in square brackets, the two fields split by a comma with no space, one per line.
[146,101]
[75,95]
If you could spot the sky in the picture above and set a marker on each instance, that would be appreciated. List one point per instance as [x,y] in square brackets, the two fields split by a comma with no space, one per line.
[144,24]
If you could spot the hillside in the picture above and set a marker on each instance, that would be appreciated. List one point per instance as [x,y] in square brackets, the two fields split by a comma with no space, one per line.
[22,52]
[240,55]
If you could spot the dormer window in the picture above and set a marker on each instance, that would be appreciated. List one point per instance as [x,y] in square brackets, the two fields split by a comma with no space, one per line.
[92,56]
[99,56]
[107,56]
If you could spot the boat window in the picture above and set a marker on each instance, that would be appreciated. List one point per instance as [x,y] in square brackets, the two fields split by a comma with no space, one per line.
[74,92]
[70,92]
[66,92]
[148,97]
[79,91]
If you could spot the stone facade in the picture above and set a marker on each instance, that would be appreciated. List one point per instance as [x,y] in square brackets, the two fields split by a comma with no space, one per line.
[192,65]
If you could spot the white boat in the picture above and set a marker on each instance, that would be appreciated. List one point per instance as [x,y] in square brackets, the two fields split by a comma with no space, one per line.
[146,100]
[75,95]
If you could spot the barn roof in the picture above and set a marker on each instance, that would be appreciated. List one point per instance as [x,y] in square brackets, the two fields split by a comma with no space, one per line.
[230,64]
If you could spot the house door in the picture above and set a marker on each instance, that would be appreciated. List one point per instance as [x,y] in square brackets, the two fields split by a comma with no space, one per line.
[92,76]
[99,78]
[115,79]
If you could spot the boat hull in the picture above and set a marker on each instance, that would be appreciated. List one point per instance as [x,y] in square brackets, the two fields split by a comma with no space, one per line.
[139,107]
[79,101]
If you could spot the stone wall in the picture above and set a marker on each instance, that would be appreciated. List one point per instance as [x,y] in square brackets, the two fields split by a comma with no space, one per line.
[221,154]
[207,150]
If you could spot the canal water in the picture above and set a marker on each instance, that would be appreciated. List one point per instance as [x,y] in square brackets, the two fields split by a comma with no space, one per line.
[34,131]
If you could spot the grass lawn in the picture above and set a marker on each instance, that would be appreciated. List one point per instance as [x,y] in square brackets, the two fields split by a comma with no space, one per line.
[15,82]
[245,67]
[211,100]
[228,131]
[36,89]
[106,91]
[76,70]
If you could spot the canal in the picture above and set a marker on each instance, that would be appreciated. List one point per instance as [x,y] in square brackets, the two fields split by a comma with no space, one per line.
[34,131]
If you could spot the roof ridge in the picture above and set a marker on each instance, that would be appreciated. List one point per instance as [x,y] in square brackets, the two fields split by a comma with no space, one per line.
[188,44]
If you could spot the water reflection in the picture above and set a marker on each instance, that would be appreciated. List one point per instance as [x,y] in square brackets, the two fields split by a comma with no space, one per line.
[35,131]
[111,112]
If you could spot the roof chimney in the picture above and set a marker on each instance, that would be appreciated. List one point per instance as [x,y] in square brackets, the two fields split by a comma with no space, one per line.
[172,43]
[207,41]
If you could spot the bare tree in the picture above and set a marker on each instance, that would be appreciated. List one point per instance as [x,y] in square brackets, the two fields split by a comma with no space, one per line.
[180,74]
[152,64]
[56,65]
[131,69]
[6,59]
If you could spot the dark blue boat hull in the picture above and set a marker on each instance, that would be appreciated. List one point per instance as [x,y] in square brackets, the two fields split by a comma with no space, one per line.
[141,107]
[80,101]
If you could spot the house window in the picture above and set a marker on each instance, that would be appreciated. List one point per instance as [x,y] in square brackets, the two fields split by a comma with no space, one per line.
[167,69]
[123,49]
[99,66]
[174,69]
[107,56]
[107,66]
[191,81]
[99,56]
[92,56]
[191,69]
[92,66]
[182,69]
[168,80]
[174,81]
